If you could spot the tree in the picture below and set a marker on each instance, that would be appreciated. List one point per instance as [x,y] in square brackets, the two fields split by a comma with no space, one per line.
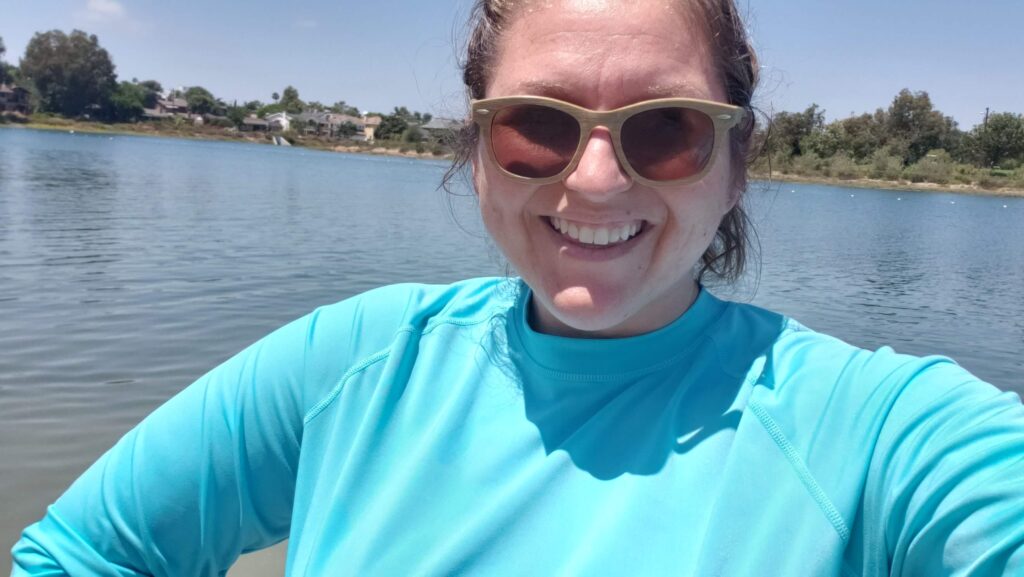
[72,73]
[789,129]
[152,90]
[912,119]
[341,107]
[392,126]
[152,86]
[999,140]
[414,134]
[347,129]
[860,136]
[275,97]
[3,69]
[200,100]
[126,104]
[237,114]
[290,100]
[403,113]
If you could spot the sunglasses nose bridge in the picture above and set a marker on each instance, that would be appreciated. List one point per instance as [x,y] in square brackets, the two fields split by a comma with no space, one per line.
[598,170]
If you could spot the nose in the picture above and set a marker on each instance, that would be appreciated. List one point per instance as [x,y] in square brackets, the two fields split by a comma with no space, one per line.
[599,175]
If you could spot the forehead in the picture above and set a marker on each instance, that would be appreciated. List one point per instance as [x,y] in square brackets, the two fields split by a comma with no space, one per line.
[604,53]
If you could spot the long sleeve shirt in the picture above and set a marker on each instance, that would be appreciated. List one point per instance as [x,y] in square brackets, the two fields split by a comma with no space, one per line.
[429,430]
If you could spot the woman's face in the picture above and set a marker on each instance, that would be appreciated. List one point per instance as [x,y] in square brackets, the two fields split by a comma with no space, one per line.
[603,55]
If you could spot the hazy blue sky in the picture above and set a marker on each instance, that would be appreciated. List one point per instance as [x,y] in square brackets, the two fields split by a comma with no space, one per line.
[847,56]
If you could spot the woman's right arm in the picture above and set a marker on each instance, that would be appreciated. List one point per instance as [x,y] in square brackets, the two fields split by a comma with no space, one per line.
[206,477]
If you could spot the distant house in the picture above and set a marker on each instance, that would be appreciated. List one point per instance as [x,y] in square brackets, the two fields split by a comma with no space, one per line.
[443,130]
[324,123]
[312,122]
[172,106]
[254,124]
[154,114]
[279,121]
[370,125]
[14,99]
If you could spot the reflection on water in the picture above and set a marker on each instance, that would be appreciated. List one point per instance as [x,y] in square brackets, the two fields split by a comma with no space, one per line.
[129,266]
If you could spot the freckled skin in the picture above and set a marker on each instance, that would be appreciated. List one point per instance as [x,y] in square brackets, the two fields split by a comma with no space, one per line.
[603,55]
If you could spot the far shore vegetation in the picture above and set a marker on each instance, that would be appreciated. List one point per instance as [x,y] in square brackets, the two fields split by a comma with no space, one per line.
[68,81]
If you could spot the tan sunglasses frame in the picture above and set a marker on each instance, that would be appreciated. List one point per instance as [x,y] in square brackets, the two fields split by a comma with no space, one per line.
[724,117]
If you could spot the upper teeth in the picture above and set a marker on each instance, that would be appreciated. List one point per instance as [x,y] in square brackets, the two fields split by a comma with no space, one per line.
[599,235]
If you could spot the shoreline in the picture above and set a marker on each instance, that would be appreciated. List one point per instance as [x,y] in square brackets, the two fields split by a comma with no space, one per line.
[379,150]
[242,138]
[891,185]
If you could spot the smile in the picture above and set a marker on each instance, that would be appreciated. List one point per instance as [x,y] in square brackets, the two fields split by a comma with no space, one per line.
[595,235]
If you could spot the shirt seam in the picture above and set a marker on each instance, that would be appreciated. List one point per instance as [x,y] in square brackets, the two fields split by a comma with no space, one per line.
[379,356]
[815,490]
[336,390]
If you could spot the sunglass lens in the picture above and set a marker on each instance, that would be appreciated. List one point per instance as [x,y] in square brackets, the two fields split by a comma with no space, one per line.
[533,140]
[668,143]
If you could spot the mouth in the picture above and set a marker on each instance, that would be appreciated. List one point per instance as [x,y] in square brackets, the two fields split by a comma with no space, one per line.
[595,236]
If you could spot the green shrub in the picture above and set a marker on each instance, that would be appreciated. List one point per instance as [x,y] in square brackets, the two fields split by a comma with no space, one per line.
[936,167]
[779,162]
[1018,178]
[843,167]
[988,181]
[885,165]
[807,164]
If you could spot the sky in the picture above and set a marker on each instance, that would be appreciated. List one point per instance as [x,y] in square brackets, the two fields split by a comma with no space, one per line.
[847,56]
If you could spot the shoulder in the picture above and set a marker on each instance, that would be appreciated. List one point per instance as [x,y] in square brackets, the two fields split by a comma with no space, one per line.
[838,408]
[808,373]
[333,339]
[402,307]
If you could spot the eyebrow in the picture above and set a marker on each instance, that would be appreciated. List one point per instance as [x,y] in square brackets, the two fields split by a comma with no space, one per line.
[553,89]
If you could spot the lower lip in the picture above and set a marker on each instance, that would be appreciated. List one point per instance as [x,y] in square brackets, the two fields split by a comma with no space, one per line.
[592,252]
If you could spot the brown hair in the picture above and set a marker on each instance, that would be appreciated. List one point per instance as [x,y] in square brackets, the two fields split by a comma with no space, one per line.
[735,60]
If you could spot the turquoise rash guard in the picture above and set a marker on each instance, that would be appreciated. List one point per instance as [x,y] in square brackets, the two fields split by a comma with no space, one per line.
[428,430]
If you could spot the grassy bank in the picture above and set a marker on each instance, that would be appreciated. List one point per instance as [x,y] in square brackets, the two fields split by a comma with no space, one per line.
[935,172]
[168,129]
[894,185]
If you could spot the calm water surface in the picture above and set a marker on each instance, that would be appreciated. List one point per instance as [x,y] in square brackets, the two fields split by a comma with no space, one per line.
[130,266]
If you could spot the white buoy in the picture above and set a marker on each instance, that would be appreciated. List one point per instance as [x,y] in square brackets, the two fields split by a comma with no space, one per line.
[899,198]
[952,202]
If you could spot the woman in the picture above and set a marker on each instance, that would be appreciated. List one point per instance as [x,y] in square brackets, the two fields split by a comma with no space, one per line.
[605,415]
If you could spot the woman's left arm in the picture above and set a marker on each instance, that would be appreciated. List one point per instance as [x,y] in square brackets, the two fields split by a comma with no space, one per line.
[945,491]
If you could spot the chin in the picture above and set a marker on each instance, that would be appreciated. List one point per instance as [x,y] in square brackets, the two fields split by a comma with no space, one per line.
[581,312]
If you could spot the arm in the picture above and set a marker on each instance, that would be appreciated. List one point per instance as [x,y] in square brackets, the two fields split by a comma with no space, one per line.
[945,492]
[206,477]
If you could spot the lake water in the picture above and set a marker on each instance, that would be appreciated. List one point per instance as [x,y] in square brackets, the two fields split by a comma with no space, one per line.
[129,266]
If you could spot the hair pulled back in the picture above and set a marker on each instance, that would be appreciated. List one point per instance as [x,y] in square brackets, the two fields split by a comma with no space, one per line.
[733,58]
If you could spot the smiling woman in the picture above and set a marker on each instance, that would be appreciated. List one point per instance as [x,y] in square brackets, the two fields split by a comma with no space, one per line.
[604,414]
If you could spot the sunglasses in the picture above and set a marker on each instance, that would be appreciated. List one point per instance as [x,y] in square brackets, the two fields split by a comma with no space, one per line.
[661,142]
